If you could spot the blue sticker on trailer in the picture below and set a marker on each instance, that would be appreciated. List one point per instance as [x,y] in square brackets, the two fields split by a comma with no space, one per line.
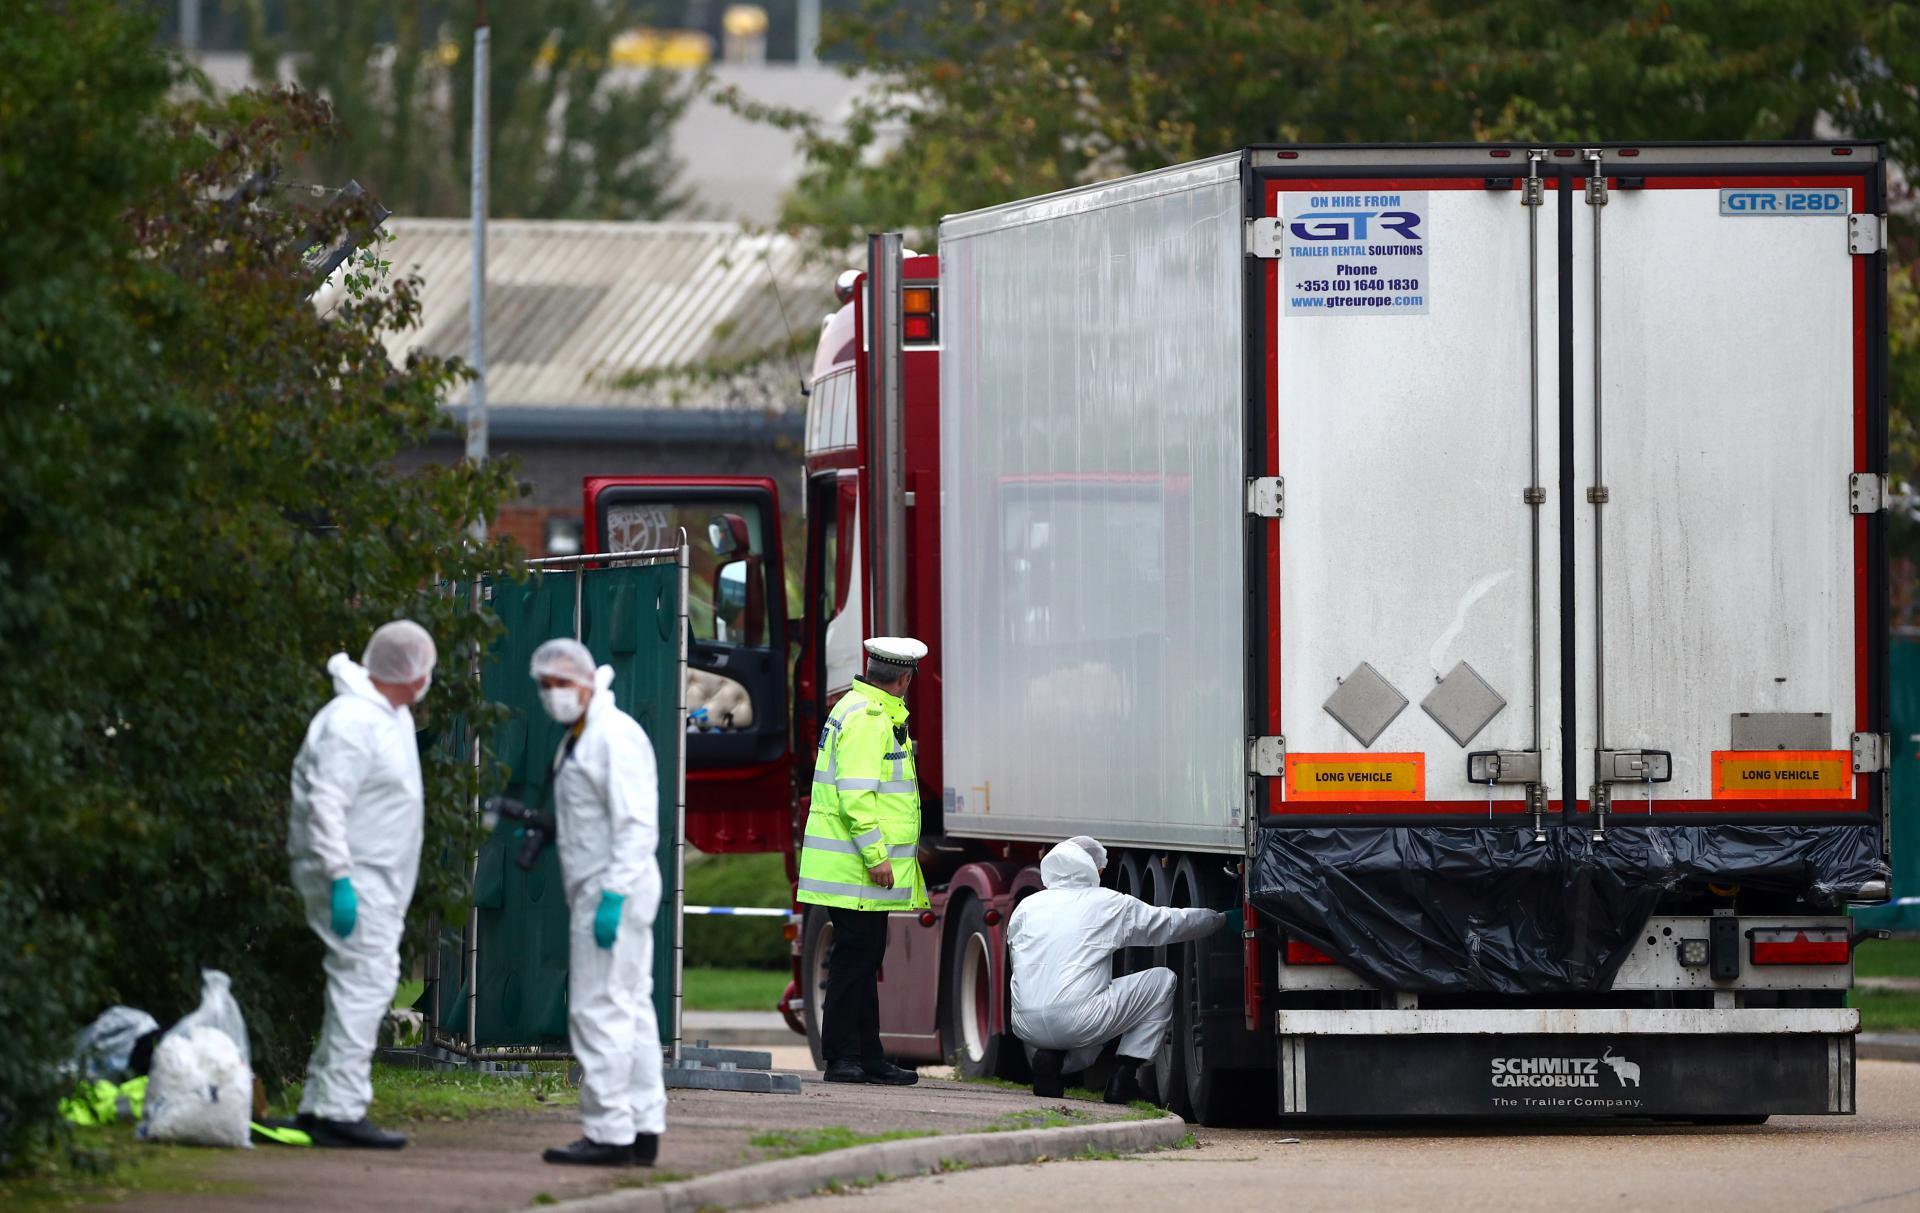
[1777,202]
[1360,252]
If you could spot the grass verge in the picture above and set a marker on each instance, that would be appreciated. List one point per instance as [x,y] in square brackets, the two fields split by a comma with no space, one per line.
[794,1143]
[401,1094]
[733,989]
[1887,1010]
[1888,958]
[118,1167]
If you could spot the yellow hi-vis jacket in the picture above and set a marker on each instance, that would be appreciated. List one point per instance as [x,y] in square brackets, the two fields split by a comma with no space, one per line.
[866,808]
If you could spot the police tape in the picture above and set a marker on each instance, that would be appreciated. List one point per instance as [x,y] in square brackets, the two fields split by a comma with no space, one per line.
[738,911]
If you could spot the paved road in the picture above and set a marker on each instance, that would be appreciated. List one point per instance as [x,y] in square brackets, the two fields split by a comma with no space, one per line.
[1868,1163]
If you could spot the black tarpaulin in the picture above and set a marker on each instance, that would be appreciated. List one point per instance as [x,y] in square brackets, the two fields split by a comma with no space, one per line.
[1458,909]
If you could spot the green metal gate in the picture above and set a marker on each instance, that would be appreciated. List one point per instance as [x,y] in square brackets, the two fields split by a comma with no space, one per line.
[631,616]
[1903,674]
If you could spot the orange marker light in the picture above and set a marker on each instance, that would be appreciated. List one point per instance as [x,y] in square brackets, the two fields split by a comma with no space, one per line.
[917,300]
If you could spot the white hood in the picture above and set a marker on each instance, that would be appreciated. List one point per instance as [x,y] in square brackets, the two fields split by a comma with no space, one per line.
[1069,867]
[351,678]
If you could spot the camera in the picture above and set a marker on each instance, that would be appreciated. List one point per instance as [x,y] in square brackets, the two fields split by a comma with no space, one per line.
[537,828]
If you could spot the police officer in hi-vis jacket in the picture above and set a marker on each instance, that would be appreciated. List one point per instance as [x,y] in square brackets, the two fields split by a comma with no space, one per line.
[860,854]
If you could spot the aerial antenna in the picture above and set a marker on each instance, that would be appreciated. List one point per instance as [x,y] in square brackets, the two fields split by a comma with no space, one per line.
[792,352]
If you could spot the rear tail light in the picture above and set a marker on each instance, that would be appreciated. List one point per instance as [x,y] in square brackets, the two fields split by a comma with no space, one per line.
[1302,953]
[1791,946]
[920,320]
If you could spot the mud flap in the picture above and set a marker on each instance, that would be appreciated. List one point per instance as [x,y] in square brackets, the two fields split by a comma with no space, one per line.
[1564,1075]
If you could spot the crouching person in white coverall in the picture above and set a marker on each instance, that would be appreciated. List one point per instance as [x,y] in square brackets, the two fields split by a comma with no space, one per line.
[1066,1003]
[354,840]
[607,809]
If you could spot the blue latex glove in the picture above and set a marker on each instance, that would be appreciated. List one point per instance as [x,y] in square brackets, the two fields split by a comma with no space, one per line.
[1236,922]
[606,919]
[346,907]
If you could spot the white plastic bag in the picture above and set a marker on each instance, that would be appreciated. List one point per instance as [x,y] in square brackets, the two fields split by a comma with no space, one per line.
[105,1047]
[200,1090]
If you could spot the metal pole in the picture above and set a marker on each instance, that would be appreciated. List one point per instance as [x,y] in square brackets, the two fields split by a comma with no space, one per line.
[680,814]
[807,37]
[189,25]
[477,292]
[886,453]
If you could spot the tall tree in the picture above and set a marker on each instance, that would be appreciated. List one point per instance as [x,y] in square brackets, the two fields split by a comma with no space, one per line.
[575,135]
[197,506]
[979,101]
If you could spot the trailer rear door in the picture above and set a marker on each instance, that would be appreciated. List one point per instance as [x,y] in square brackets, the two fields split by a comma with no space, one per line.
[1665,361]
[1405,419]
[1723,604]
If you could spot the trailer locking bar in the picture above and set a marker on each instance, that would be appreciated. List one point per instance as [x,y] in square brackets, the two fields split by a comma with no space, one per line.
[1535,496]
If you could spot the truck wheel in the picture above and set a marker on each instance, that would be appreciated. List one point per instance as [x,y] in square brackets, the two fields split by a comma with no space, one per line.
[975,979]
[1129,877]
[1209,971]
[816,939]
[1170,1063]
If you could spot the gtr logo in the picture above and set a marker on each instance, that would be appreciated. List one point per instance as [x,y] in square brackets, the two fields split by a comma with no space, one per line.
[1352,225]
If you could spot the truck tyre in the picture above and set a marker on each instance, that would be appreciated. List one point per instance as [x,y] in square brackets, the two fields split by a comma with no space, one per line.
[1206,1023]
[974,978]
[816,937]
[1129,877]
[1170,1063]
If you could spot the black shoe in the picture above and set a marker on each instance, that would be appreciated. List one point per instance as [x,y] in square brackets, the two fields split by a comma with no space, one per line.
[646,1148]
[348,1134]
[1047,1081]
[886,1074]
[845,1071]
[590,1153]
[1124,1085]
[1149,1080]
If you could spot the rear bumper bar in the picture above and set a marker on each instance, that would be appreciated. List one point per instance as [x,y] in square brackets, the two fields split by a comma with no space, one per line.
[1580,1062]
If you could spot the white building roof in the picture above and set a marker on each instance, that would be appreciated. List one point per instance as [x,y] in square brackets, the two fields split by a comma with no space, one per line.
[572,307]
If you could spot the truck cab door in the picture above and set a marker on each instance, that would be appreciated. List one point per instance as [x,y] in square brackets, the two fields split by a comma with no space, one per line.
[739,758]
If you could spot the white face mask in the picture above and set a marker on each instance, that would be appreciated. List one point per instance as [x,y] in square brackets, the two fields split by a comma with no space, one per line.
[562,703]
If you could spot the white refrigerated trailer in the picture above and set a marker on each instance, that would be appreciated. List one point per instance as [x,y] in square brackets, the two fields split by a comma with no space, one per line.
[1472,558]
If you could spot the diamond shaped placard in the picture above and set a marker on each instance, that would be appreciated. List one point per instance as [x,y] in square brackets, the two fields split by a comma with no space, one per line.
[1365,704]
[1462,703]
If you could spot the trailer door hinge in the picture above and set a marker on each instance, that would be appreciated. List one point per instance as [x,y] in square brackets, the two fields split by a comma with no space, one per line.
[1866,493]
[1870,752]
[1866,234]
[1263,238]
[1267,496]
[1267,756]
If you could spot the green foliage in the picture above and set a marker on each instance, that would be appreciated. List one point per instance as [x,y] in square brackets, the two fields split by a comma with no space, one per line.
[986,101]
[196,509]
[1888,958]
[403,1094]
[738,880]
[574,136]
[983,101]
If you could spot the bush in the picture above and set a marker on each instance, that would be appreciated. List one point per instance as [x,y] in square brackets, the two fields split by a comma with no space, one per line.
[196,508]
[737,880]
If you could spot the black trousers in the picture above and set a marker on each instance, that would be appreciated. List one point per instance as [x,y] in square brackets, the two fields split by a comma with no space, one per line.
[850,1013]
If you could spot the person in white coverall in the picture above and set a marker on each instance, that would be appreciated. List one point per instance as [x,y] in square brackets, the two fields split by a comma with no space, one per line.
[1066,1003]
[354,840]
[607,810]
